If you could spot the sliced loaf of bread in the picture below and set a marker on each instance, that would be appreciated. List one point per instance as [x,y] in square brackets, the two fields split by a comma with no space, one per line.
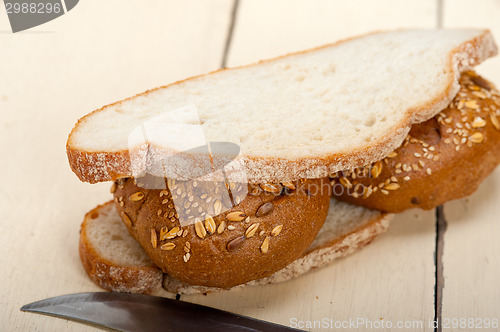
[304,115]
[115,261]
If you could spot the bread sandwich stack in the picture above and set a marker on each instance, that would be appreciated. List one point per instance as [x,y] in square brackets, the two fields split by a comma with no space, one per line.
[257,174]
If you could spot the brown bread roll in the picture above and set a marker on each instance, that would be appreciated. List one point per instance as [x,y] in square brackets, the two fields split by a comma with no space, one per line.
[441,159]
[262,233]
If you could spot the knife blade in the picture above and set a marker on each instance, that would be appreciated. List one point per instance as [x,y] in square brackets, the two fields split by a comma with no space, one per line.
[137,312]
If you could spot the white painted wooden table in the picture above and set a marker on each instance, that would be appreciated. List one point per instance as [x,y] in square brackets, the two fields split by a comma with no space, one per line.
[104,51]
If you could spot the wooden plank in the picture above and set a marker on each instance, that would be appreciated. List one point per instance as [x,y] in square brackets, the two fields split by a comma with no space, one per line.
[266,29]
[98,53]
[372,284]
[471,246]
[471,262]
[393,279]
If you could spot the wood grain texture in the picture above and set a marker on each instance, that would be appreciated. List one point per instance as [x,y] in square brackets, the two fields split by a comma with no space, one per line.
[100,52]
[471,246]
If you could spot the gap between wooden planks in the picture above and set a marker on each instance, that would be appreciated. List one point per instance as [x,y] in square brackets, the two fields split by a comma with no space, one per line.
[422,278]
[447,301]
[54,74]
[471,292]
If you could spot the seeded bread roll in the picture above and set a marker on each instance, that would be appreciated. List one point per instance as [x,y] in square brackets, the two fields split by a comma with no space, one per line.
[259,233]
[347,228]
[441,159]
[113,260]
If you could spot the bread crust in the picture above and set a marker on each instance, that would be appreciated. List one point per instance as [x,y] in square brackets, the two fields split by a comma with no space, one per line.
[316,256]
[441,159]
[334,244]
[108,274]
[273,230]
[98,166]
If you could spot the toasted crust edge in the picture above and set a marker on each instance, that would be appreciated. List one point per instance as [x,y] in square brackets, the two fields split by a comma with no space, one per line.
[314,258]
[99,166]
[113,277]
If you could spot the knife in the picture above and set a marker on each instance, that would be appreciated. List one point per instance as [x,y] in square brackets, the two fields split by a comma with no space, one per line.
[137,312]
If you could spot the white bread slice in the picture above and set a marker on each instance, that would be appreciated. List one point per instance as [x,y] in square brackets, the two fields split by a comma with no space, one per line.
[112,258]
[303,115]
[346,229]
